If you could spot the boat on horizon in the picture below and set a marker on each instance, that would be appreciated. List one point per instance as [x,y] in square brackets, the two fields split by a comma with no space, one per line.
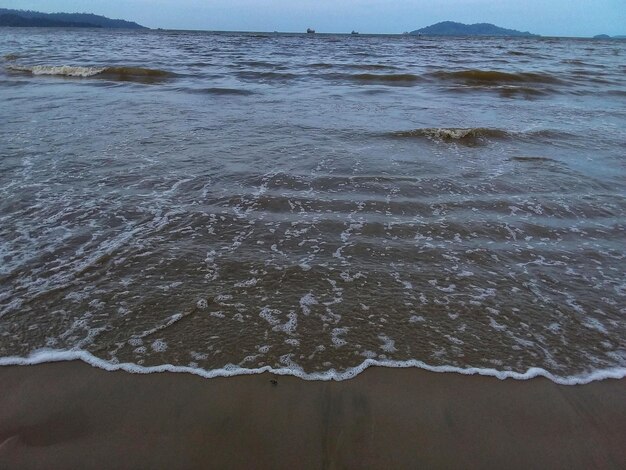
[354,32]
[310,31]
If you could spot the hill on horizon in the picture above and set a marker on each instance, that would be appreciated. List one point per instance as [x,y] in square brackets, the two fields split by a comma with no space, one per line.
[606,36]
[9,17]
[451,28]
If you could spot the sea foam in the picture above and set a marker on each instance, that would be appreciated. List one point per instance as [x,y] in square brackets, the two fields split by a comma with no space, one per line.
[42,356]
[64,70]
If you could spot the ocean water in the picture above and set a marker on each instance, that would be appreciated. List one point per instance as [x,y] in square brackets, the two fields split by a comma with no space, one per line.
[223,203]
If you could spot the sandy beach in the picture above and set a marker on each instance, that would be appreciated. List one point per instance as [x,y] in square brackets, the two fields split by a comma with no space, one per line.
[71,415]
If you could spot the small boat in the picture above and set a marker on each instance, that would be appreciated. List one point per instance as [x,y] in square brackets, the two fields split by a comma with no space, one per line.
[354,32]
[310,31]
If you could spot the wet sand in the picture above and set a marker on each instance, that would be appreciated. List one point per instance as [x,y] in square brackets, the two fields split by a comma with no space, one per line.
[70,415]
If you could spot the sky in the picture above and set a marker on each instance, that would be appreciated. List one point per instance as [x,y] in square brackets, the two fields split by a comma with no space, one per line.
[545,17]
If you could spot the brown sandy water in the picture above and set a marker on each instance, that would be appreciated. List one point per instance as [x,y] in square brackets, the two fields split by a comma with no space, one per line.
[232,202]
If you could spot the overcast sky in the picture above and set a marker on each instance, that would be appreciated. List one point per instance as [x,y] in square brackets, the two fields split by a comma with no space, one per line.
[545,17]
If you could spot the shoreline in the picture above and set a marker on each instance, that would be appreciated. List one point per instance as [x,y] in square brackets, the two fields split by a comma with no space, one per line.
[54,356]
[72,415]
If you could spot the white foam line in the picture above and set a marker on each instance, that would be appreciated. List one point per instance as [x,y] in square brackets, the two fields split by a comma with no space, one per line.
[67,70]
[49,355]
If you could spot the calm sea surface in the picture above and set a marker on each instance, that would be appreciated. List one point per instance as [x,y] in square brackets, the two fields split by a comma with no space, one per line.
[313,204]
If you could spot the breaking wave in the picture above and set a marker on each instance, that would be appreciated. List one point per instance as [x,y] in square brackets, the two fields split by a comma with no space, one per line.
[121,73]
[63,70]
[466,136]
[471,136]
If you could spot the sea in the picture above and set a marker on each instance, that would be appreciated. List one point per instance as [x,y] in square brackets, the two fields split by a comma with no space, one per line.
[313,204]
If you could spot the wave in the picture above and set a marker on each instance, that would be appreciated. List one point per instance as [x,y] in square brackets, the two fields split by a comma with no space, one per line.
[63,70]
[135,74]
[494,77]
[388,79]
[478,135]
[119,73]
[467,136]
[48,355]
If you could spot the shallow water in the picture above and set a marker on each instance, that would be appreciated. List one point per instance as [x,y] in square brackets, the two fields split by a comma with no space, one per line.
[313,203]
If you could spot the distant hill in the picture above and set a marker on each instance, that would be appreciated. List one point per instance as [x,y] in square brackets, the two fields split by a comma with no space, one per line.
[10,17]
[20,21]
[606,36]
[450,28]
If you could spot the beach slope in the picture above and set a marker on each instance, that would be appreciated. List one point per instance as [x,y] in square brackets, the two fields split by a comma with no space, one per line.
[71,415]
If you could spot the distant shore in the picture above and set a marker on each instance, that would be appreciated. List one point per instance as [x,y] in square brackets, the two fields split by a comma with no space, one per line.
[70,415]
[36,19]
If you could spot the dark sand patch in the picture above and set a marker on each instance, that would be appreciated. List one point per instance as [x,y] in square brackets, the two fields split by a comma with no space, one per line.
[70,415]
